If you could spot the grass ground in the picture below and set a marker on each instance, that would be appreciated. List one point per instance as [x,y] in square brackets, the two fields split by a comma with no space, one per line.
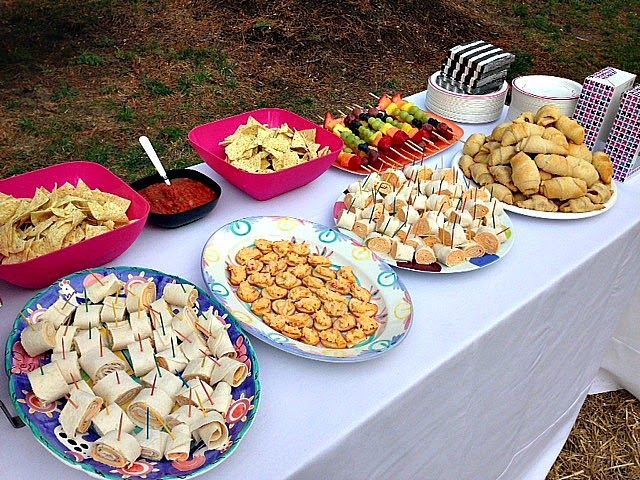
[83,79]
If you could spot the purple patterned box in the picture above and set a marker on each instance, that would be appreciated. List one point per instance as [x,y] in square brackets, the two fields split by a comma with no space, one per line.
[623,144]
[598,102]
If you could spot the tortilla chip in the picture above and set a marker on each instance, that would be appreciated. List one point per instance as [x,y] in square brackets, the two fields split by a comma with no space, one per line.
[48,221]
[255,147]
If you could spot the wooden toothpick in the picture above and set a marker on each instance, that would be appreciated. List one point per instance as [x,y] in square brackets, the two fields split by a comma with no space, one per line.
[205,391]
[68,398]
[184,339]
[209,356]
[120,426]
[28,322]
[153,386]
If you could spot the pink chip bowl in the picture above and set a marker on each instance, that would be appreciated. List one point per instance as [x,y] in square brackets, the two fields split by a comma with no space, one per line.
[206,139]
[42,271]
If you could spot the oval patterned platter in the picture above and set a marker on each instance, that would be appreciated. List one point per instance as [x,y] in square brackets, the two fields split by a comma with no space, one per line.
[473,264]
[395,310]
[42,419]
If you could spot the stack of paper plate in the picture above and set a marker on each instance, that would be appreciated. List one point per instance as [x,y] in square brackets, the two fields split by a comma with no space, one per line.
[531,92]
[451,103]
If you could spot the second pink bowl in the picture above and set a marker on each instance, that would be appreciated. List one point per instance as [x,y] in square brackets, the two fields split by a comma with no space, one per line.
[205,140]
[42,271]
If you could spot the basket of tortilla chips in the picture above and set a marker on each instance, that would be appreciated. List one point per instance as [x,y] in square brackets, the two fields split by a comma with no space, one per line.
[266,152]
[65,218]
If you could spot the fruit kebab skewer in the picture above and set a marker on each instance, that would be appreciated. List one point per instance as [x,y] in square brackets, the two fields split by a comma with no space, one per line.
[398,133]
[411,113]
[368,136]
[408,112]
[367,155]
[384,139]
[417,138]
[365,158]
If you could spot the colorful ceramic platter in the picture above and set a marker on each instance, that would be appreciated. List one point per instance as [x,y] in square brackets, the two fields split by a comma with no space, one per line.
[42,419]
[395,309]
[473,264]
[548,215]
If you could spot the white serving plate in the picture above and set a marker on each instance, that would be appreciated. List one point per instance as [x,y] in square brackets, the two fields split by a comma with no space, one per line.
[548,215]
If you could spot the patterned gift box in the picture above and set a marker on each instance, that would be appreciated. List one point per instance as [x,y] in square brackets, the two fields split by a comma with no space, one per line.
[623,144]
[599,101]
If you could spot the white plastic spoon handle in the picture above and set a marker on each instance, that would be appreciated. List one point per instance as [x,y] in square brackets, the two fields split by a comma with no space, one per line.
[153,156]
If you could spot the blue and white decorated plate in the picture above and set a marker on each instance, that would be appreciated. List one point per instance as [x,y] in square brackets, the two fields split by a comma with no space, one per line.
[42,419]
[395,310]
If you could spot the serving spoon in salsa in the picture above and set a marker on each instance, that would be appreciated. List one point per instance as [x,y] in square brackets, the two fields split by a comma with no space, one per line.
[153,156]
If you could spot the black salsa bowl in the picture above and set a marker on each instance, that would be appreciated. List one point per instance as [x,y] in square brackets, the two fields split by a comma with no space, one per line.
[174,220]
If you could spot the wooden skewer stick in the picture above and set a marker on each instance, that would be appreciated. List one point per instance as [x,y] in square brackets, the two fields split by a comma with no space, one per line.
[120,426]
[205,391]
[184,339]
[117,377]
[413,147]
[101,351]
[190,401]
[164,425]
[400,154]
[140,342]
[153,386]
[209,356]
[68,398]
[200,404]
[440,137]
[93,274]
[27,321]
[374,96]
[64,355]
[389,162]
[74,381]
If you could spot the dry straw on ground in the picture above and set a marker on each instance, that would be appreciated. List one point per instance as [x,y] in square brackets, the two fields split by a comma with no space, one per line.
[604,443]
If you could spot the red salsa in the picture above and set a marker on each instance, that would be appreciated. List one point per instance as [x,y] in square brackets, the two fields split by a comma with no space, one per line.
[183,194]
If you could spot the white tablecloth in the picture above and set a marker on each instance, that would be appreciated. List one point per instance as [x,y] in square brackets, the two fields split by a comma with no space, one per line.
[487,384]
[622,361]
